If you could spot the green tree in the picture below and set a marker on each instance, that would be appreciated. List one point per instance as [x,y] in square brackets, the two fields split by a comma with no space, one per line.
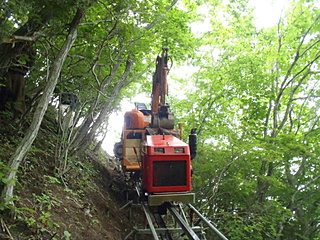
[25,144]
[115,45]
[255,101]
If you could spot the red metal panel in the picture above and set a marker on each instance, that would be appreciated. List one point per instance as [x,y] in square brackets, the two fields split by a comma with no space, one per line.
[164,140]
[162,170]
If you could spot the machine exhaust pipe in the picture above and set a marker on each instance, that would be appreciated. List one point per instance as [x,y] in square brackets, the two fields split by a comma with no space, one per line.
[193,143]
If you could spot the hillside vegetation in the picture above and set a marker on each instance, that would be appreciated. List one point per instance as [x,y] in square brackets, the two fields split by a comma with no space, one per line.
[251,92]
[82,203]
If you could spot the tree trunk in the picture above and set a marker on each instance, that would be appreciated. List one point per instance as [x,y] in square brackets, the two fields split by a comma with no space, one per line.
[24,146]
[86,135]
[12,72]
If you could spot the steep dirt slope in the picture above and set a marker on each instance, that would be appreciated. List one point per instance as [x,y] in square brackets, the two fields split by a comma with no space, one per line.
[87,209]
[81,205]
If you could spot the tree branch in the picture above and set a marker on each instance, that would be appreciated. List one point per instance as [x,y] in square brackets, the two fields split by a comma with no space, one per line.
[27,141]
[159,18]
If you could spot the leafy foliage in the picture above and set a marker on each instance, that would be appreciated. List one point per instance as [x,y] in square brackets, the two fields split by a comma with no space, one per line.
[253,101]
[253,97]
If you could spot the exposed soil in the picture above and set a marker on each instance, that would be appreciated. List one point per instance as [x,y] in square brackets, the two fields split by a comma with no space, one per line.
[87,203]
[84,210]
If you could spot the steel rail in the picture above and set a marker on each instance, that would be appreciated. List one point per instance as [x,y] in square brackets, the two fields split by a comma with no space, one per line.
[213,228]
[159,220]
[151,226]
[129,235]
[183,224]
[163,230]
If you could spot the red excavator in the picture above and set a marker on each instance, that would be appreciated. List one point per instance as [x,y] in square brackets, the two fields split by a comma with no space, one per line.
[151,148]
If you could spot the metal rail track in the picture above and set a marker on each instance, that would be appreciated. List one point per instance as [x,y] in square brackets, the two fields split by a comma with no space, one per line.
[183,223]
[161,224]
[213,228]
[163,232]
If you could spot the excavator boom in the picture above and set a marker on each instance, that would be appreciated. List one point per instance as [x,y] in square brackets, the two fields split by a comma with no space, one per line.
[160,86]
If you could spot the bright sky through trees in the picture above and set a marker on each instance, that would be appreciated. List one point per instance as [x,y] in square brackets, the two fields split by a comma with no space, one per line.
[267,14]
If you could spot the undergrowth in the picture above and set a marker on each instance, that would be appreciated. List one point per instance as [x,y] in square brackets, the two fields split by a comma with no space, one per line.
[77,204]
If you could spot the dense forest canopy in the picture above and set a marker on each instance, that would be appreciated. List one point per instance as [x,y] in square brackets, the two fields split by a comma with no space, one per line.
[254,96]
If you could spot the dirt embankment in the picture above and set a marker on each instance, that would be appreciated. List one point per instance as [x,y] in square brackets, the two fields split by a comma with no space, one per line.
[85,204]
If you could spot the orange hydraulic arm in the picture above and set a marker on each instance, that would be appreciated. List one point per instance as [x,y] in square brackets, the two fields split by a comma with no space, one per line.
[160,86]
